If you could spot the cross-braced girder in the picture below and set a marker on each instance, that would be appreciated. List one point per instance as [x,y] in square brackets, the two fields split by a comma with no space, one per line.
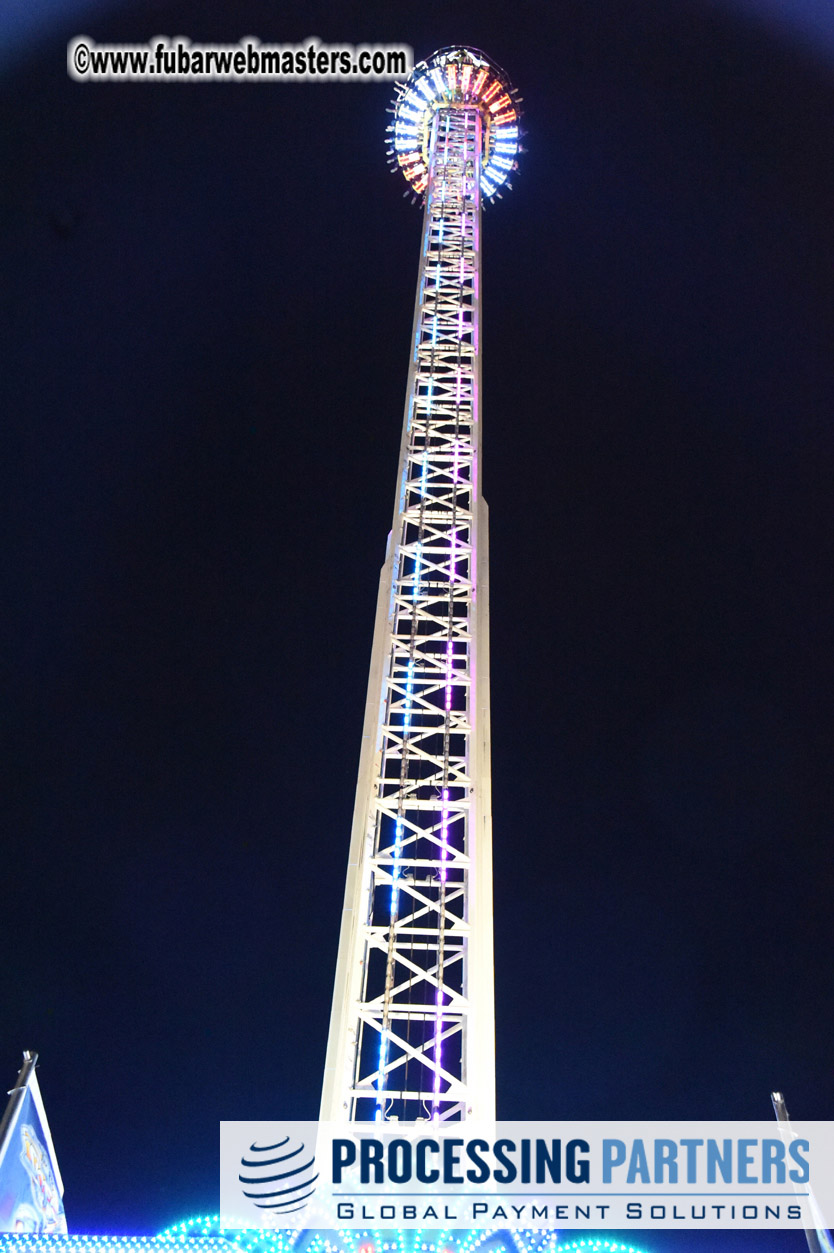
[412,1030]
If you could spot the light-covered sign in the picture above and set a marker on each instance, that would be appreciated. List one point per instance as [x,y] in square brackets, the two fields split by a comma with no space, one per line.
[550,1176]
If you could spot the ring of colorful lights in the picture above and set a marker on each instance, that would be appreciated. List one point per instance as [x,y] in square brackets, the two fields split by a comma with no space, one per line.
[457,77]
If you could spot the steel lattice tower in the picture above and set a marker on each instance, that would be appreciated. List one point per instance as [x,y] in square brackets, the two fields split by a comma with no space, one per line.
[412,1022]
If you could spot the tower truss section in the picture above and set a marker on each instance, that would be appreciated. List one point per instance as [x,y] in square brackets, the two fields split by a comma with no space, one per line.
[412,1023]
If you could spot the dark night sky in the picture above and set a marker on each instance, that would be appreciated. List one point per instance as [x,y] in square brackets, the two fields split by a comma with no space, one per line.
[206,317]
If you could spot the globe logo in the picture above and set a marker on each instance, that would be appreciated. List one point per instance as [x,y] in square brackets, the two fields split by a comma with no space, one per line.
[278,1177]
